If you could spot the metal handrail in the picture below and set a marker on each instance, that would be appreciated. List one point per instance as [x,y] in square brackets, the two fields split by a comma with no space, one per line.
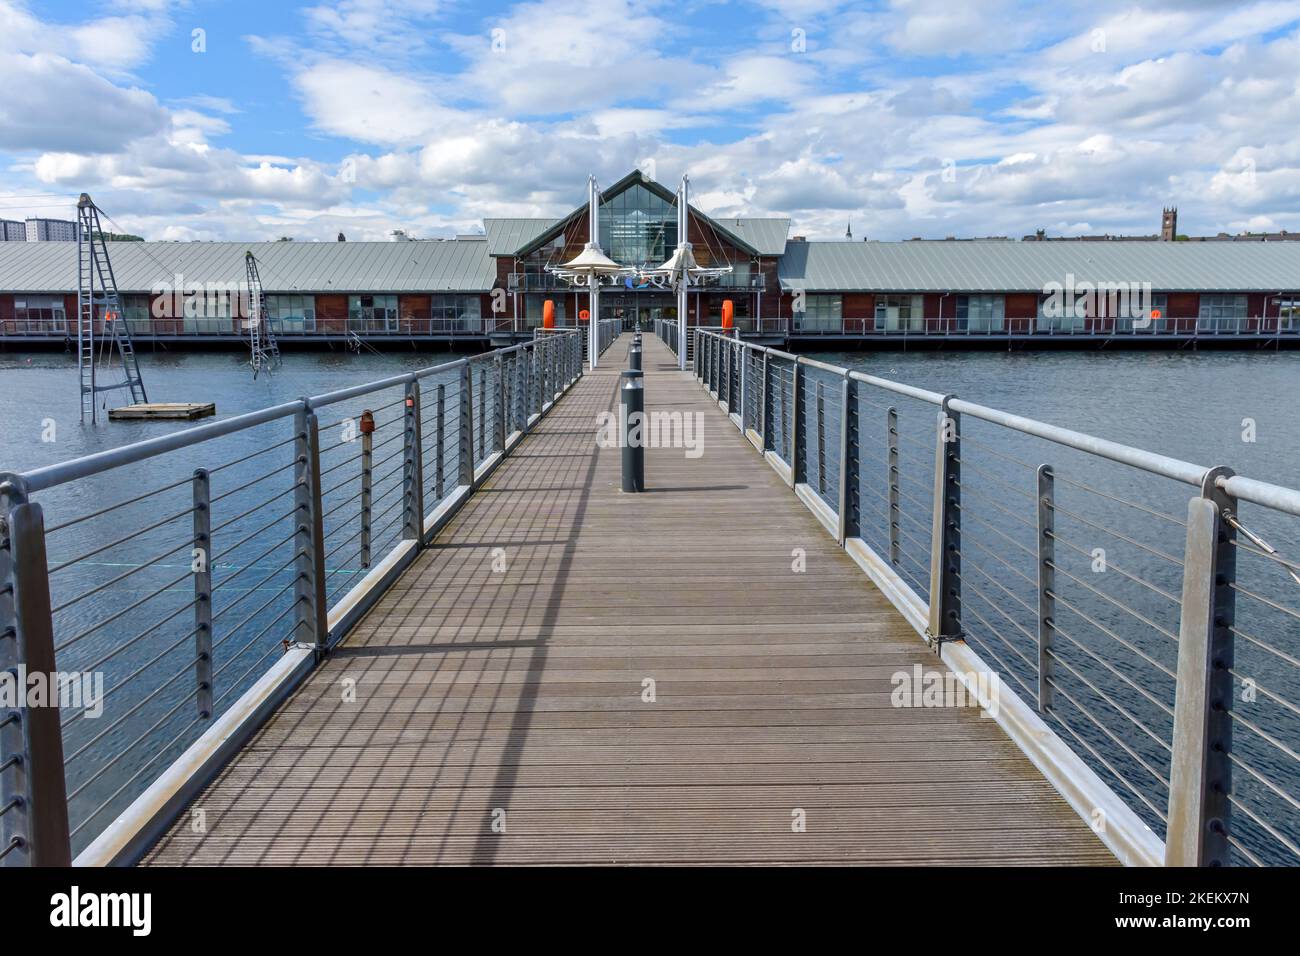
[1114,661]
[298,575]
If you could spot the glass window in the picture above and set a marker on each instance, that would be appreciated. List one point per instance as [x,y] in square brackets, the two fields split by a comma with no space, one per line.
[372,313]
[1056,314]
[536,302]
[40,313]
[1222,312]
[1288,312]
[822,313]
[981,313]
[455,313]
[637,227]
[899,313]
[291,314]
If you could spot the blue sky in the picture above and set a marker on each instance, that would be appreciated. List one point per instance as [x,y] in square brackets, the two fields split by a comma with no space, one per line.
[910,117]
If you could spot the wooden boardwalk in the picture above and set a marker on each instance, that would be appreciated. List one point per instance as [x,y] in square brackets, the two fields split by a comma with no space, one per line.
[490,701]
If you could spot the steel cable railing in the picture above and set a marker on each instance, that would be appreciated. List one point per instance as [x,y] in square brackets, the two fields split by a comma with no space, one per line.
[1097,581]
[153,635]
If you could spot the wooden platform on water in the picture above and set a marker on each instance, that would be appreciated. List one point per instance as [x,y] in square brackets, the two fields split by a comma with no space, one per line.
[184,411]
[518,695]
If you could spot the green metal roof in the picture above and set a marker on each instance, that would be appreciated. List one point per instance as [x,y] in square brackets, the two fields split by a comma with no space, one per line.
[766,236]
[504,236]
[431,266]
[996,266]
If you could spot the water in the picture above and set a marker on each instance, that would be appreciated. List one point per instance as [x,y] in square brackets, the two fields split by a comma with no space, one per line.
[1120,537]
[1187,405]
[122,584]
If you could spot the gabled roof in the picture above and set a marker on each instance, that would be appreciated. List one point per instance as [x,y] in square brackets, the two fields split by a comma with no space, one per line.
[141,267]
[996,266]
[766,236]
[636,177]
[504,236]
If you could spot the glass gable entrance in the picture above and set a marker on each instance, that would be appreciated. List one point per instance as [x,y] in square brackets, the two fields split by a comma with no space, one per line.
[637,227]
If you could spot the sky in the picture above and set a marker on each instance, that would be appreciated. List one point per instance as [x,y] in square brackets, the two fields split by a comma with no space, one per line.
[240,120]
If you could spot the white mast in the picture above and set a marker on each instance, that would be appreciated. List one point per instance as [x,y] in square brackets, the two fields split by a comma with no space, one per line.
[682,243]
[593,239]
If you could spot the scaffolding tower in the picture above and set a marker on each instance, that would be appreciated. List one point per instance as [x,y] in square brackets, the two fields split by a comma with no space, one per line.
[97,297]
[261,337]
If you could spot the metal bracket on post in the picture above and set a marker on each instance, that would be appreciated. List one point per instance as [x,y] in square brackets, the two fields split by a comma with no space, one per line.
[848,517]
[33,792]
[1046,582]
[945,533]
[465,428]
[413,468]
[202,566]
[895,505]
[310,612]
[1200,772]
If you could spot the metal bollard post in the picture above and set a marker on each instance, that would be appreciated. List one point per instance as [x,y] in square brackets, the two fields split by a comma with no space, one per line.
[634,356]
[632,430]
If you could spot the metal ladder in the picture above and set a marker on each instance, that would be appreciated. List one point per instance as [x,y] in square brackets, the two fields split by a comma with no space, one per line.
[97,289]
[261,337]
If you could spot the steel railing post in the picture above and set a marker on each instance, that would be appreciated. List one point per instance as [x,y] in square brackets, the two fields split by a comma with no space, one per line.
[465,428]
[821,440]
[848,511]
[1046,582]
[945,532]
[1200,773]
[895,505]
[765,413]
[502,430]
[367,482]
[798,441]
[311,622]
[744,389]
[413,468]
[481,447]
[201,558]
[33,792]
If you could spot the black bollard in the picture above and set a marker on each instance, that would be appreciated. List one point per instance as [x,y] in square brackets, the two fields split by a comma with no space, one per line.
[634,357]
[632,396]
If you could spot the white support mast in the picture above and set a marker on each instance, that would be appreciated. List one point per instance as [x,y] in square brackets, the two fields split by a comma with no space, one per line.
[683,236]
[593,240]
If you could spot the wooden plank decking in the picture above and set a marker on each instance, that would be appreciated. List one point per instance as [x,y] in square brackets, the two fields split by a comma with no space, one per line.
[483,694]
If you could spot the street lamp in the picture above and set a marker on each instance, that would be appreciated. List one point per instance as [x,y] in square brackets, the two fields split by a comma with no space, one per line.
[587,268]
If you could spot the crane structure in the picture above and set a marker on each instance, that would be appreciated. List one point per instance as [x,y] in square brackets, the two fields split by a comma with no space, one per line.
[97,298]
[261,337]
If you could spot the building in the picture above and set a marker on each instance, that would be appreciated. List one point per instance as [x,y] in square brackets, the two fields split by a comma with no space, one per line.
[786,289]
[11,230]
[51,230]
